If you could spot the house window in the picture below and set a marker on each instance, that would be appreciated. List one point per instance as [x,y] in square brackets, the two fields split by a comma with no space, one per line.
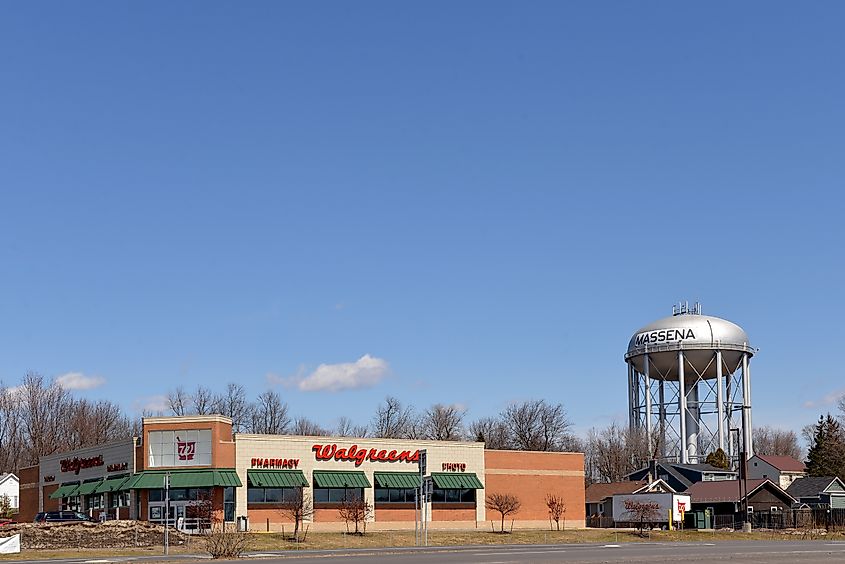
[750,509]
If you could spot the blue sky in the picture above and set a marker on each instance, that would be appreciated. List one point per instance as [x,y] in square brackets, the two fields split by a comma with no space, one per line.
[486,198]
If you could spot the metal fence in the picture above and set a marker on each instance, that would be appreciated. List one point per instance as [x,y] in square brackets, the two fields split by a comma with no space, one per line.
[806,519]
[821,518]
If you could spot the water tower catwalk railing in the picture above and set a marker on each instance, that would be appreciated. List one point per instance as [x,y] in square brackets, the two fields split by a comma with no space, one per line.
[687,412]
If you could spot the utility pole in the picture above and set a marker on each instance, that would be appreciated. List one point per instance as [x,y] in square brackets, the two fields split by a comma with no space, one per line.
[167,513]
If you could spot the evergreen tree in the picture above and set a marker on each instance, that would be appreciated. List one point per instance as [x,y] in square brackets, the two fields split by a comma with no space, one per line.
[826,456]
[719,459]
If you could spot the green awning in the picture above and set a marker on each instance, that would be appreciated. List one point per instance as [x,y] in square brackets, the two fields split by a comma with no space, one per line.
[154,479]
[65,490]
[456,481]
[276,478]
[88,487]
[397,479]
[113,484]
[340,479]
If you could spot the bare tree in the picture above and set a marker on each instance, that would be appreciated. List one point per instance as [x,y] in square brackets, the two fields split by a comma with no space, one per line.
[178,401]
[270,416]
[233,404]
[644,513]
[393,420]
[504,504]
[614,452]
[491,431]
[203,401]
[443,423]
[775,442]
[536,425]
[306,427]
[297,509]
[557,507]
[346,428]
[355,509]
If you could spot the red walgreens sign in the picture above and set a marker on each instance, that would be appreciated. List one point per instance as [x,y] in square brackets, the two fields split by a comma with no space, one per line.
[359,455]
[75,464]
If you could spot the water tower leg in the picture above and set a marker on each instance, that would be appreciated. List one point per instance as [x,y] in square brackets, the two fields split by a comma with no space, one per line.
[729,407]
[720,400]
[693,423]
[682,408]
[647,386]
[662,414]
[637,413]
[746,407]
[631,424]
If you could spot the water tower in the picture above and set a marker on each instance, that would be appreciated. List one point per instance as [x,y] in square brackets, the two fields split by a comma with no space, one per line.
[689,386]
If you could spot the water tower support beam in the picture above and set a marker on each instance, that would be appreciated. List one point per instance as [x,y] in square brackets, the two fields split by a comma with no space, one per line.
[648,423]
[720,400]
[746,407]
[631,384]
[682,408]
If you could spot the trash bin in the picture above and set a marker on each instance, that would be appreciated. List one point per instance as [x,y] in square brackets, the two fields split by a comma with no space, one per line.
[243,523]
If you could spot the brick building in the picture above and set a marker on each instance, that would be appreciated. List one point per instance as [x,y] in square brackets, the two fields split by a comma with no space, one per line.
[214,471]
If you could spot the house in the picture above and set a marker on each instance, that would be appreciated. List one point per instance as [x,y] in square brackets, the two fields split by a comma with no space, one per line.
[783,470]
[10,487]
[725,497]
[599,497]
[819,492]
[681,476]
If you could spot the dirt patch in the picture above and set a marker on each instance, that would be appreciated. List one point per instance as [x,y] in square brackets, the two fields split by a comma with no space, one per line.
[111,534]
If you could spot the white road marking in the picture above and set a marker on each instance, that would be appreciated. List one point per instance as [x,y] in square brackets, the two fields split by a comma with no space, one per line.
[611,546]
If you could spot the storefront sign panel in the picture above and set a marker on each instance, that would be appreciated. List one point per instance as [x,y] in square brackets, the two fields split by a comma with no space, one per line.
[191,447]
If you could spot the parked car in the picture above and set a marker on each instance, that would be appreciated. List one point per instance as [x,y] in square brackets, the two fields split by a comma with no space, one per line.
[62,517]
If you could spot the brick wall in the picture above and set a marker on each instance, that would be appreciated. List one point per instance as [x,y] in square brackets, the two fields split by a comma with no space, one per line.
[531,476]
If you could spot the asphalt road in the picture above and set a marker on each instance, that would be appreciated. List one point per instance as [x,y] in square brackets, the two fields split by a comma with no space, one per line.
[747,552]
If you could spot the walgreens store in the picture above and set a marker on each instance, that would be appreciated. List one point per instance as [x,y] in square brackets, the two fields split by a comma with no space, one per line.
[252,476]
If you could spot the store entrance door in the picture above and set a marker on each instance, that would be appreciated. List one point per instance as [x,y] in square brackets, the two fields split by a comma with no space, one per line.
[177,512]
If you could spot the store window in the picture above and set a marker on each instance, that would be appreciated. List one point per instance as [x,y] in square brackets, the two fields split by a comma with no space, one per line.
[94,501]
[272,495]
[395,495]
[453,496]
[70,503]
[182,494]
[120,499]
[229,504]
[337,495]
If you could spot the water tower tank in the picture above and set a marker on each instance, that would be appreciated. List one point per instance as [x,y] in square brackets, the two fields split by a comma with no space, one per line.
[689,385]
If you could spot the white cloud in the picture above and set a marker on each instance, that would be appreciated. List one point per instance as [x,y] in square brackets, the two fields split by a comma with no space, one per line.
[829,399]
[365,372]
[152,404]
[79,381]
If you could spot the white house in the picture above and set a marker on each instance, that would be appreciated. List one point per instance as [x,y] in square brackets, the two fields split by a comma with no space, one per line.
[10,486]
[782,470]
